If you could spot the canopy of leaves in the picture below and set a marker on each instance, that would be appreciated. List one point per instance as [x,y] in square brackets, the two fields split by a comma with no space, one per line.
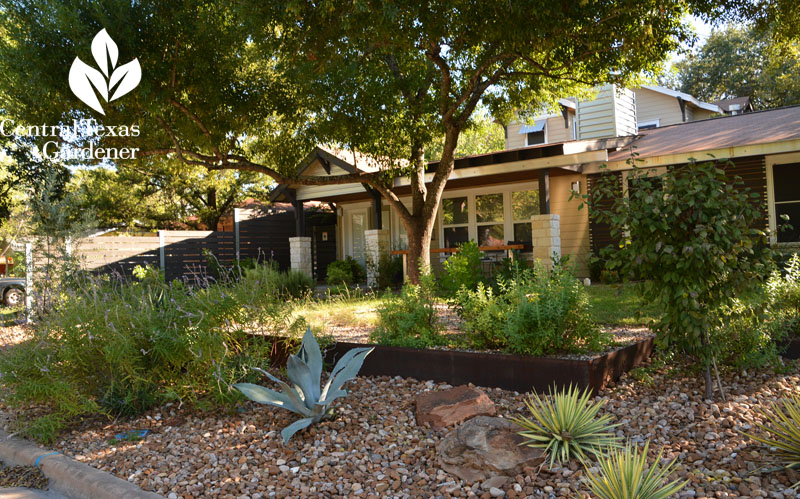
[737,61]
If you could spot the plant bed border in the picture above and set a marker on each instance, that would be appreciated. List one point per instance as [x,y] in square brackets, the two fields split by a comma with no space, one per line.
[494,370]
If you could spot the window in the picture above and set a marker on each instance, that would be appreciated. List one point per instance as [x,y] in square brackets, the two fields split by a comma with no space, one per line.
[524,204]
[786,186]
[536,133]
[648,125]
[455,220]
[489,219]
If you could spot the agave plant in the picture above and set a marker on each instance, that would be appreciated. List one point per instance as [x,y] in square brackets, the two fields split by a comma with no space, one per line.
[785,429]
[566,425]
[624,475]
[305,397]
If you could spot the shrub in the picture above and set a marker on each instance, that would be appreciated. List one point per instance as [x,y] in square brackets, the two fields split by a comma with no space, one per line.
[551,313]
[462,269]
[347,271]
[289,284]
[483,313]
[624,475]
[784,427]
[305,397]
[118,347]
[389,271]
[409,320]
[566,425]
[783,290]
[692,232]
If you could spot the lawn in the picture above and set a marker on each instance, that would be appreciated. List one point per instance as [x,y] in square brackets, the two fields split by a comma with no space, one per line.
[620,305]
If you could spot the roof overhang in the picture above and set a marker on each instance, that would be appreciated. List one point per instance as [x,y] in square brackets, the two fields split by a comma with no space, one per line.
[318,154]
[688,98]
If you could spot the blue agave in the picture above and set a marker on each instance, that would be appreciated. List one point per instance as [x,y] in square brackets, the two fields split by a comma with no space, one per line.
[306,398]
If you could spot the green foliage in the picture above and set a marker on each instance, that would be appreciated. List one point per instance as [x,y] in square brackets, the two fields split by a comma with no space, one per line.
[119,347]
[551,313]
[281,284]
[481,137]
[565,425]
[783,290]
[738,61]
[624,474]
[691,231]
[305,397]
[462,269]
[347,271]
[389,271]
[410,319]
[484,313]
[784,429]
[536,312]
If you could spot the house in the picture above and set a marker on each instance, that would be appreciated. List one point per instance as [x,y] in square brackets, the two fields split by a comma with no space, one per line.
[524,193]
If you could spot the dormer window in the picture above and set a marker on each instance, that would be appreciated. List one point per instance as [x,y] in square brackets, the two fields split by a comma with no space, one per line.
[536,133]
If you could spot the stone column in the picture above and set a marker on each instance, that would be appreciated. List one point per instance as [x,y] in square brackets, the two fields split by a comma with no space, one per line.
[376,242]
[546,238]
[300,254]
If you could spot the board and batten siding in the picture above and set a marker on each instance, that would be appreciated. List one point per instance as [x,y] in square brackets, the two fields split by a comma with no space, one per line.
[574,222]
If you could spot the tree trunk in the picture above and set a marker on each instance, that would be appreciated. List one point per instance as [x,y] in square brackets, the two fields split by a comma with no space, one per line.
[419,233]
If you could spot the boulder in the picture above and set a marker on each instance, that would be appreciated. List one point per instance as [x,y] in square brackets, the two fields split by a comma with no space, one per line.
[450,407]
[484,447]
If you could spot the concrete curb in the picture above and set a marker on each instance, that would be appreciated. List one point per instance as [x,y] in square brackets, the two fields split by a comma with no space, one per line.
[68,477]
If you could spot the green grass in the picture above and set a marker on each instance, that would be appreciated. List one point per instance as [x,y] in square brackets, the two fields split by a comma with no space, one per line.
[10,316]
[619,304]
[357,312]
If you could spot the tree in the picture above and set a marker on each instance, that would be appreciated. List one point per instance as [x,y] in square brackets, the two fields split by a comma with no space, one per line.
[165,195]
[484,135]
[691,233]
[737,61]
[252,86]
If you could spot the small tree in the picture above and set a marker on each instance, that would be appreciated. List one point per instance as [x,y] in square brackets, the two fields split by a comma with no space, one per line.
[692,234]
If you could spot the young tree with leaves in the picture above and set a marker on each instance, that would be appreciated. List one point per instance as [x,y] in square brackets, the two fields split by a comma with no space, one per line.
[693,234]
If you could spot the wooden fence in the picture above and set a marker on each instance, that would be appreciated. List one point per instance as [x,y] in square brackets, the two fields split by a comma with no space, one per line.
[180,253]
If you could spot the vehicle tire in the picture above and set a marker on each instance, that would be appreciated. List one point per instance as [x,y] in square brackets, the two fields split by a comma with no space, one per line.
[14,297]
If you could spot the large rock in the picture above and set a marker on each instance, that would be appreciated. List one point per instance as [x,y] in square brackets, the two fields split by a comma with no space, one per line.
[484,447]
[453,406]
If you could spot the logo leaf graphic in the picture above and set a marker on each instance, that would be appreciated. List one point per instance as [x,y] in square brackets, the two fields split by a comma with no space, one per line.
[103,49]
[84,79]
[81,79]
[128,75]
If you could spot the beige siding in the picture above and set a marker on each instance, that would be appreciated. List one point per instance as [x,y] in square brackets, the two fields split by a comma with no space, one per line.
[574,222]
[515,140]
[610,114]
[702,114]
[652,106]
[556,132]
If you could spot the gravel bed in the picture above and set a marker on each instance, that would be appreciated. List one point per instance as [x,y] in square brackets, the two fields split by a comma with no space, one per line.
[374,448]
[22,476]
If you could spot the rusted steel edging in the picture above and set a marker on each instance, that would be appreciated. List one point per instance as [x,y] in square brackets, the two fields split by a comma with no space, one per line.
[496,370]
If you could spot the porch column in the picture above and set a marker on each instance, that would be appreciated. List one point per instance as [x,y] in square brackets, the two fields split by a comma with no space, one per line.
[546,232]
[376,242]
[300,254]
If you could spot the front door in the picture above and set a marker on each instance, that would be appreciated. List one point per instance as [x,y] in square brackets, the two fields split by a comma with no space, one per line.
[356,243]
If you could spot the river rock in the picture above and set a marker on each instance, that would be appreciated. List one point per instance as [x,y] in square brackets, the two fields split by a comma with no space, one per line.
[484,447]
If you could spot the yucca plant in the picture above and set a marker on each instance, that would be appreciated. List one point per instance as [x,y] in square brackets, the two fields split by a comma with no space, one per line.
[624,475]
[785,430]
[566,425]
[305,396]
